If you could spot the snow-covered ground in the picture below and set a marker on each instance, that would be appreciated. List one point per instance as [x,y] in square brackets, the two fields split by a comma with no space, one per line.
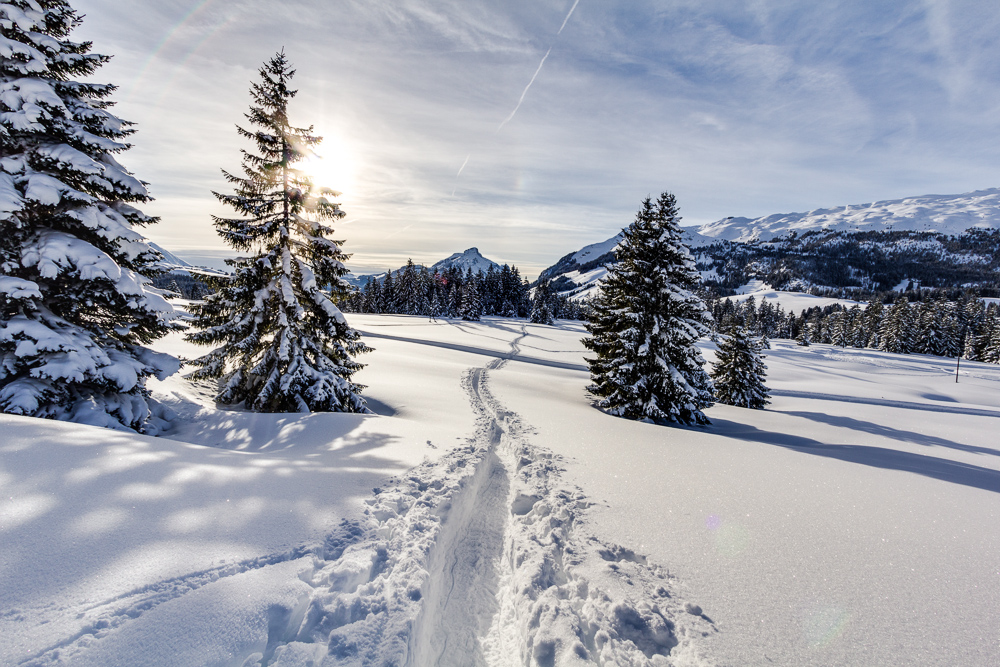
[488,515]
[792,302]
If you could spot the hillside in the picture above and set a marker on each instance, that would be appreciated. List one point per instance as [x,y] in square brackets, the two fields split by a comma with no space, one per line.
[941,214]
[936,241]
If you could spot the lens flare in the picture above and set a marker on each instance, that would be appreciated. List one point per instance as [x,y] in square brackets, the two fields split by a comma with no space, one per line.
[823,626]
[731,538]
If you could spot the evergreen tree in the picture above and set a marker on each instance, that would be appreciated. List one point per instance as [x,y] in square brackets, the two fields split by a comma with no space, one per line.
[76,304]
[283,345]
[803,338]
[646,322]
[472,304]
[390,295]
[872,320]
[541,303]
[739,371]
[991,350]
[896,332]
[408,289]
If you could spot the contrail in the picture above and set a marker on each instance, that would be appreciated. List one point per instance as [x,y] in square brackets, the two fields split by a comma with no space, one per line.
[463,165]
[566,20]
[508,118]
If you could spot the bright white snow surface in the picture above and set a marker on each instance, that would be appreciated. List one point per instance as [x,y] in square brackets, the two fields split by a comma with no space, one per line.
[792,302]
[853,522]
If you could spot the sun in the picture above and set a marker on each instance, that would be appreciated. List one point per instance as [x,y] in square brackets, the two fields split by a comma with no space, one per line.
[333,164]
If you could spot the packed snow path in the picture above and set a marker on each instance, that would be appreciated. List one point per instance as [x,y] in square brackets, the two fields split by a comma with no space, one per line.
[479,558]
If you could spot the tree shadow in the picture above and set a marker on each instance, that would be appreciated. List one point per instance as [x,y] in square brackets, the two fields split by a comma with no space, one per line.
[124,508]
[945,470]
[495,354]
[887,403]
[892,433]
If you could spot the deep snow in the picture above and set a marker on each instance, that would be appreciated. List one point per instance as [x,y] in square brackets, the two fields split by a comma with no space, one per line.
[853,522]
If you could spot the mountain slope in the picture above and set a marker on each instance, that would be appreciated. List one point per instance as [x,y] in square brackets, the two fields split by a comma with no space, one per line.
[936,240]
[470,259]
[944,214]
[577,273]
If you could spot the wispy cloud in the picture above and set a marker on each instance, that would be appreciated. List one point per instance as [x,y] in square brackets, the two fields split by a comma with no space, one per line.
[739,107]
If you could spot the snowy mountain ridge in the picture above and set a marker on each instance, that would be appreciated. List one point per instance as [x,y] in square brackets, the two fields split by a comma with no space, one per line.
[170,260]
[577,273]
[939,240]
[944,214]
[470,259]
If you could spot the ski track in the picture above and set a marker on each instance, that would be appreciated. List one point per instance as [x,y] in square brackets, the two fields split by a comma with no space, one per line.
[482,559]
[479,559]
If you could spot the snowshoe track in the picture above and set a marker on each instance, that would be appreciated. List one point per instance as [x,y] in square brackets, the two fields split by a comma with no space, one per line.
[482,559]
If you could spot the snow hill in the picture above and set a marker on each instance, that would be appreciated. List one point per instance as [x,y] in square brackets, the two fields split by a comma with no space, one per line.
[577,273]
[945,214]
[488,515]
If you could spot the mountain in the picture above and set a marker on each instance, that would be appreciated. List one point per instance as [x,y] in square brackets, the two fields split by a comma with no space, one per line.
[577,273]
[170,260]
[471,258]
[942,214]
[935,240]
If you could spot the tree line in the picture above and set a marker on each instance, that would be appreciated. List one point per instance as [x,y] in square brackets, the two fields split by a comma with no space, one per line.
[934,324]
[453,293]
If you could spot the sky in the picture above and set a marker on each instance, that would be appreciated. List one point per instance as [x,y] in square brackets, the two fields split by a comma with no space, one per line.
[531,128]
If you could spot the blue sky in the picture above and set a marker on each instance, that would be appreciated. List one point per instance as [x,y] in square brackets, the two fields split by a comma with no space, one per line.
[737,107]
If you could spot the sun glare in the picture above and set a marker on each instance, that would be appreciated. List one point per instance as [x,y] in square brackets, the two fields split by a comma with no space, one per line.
[334,164]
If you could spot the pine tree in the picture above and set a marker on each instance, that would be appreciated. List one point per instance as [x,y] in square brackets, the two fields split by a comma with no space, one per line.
[646,322]
[76,304]
[803,338]
[472,302]
[541,303]
[283,345]
[739,371]
[896,332]
[872,320]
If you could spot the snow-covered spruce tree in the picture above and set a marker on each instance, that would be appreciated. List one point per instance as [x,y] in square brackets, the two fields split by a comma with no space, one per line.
[739,371]
[803,338]
[472,301]
[646,322]
[282,343]
[76,307]
[541,303]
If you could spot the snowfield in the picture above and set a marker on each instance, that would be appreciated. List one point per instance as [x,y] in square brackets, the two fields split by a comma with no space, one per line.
[489,515]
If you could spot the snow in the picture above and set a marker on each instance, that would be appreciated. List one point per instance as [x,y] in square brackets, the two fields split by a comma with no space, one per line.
[595,250]
[470,259]
[946,214]
[587,281]
[792,302]
[848,523]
